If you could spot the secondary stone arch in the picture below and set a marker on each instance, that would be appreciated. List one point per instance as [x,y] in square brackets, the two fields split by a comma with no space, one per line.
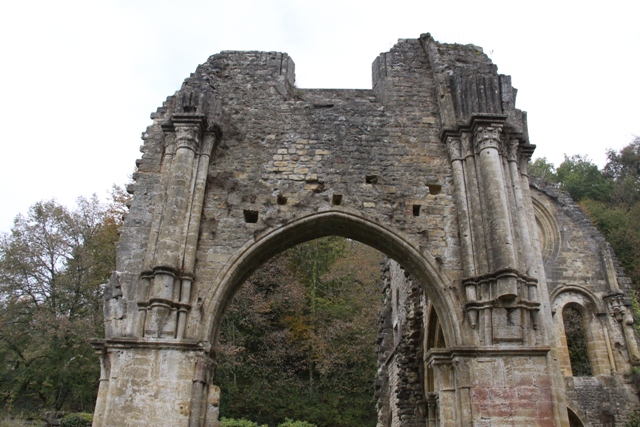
[337,223]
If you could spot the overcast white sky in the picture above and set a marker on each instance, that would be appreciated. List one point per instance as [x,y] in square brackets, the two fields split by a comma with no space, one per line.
[78,79]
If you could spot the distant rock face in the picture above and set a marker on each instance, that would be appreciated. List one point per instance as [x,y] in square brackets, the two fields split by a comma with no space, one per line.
[429,167]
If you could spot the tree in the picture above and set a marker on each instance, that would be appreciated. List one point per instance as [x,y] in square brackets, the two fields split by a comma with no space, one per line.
[311,260]
[298,340]
[624,168]
[52,265]
[610,197]
[542,168]
[582,179]
[576,342]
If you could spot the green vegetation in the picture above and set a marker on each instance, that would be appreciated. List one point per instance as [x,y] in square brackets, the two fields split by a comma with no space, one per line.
[610,197]
[298,340]
[292,423]
[634,420]
[576,342]
[52,265]
[297,343]
[77,420]
[232,422]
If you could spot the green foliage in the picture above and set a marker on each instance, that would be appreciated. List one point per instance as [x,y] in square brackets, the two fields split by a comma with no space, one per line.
[77,420]
[52,265]
[610,197]
[298,340]
[619,218]
[624,168]
[543,169]
[577,175]
[295,423]
[634,420]
[582,179]
[19,420]
[232,422]
[576,342]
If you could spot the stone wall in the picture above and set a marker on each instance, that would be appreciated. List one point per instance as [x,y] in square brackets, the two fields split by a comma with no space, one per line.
[583,272]
[401,399]
[429,167]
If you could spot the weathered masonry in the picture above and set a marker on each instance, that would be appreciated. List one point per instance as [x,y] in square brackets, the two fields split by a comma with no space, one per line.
[429,167]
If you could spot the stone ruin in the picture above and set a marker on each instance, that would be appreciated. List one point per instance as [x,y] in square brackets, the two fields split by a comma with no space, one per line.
[430,168]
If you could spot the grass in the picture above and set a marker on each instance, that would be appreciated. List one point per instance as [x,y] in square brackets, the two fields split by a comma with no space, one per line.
[12,421]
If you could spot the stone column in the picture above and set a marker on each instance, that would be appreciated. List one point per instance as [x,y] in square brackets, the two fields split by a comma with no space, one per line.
[487,142]
[482,255]
[166,280]
[521,209]
[103,390]
[151,383]
[466,238]
[191,242]
[199,396]
[156,223]
[167,160]
[170,259]
[609,268]
[618,307]
[602,318]
[178,192]
[460,194]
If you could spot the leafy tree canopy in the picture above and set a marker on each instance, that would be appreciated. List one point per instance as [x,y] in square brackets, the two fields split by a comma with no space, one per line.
[52,265]
[611,197]
[298,341]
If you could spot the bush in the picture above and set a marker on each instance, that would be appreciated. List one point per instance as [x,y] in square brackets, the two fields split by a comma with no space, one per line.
[296,423]
[231,422]
[78,419]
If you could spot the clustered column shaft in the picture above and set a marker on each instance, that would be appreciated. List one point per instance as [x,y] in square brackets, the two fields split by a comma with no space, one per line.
[174,235]
[496,244]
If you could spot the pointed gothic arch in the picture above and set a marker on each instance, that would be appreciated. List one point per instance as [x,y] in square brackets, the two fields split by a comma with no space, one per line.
[336,222]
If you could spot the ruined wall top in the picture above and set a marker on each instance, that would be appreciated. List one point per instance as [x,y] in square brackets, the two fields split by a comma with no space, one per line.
[469,84]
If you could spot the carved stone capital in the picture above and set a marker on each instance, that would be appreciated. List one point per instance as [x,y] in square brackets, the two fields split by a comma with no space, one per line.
[204,369]
[466,145]
[512,150]
[487,137]
[616,306]
[188,128]
[453,146]
[187,136]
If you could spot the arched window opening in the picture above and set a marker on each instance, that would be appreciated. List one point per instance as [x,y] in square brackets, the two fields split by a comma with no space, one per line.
[574,421]
[434,339]
[574,330]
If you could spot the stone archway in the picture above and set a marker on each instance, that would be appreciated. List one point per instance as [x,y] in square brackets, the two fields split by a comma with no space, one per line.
[429,167]
[338,223]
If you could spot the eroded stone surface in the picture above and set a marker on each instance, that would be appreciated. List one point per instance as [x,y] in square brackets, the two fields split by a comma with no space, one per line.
[429,167]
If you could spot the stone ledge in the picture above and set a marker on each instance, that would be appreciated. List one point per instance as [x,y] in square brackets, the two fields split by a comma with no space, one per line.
[444,354]
[151,344]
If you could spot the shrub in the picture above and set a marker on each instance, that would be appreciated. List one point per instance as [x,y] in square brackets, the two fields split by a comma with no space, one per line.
[232,422]
[296,423]
[78,419]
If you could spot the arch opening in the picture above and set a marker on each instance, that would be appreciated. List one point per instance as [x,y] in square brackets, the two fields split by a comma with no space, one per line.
[575,334]
[304,326]
[252,255]
[574,420]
